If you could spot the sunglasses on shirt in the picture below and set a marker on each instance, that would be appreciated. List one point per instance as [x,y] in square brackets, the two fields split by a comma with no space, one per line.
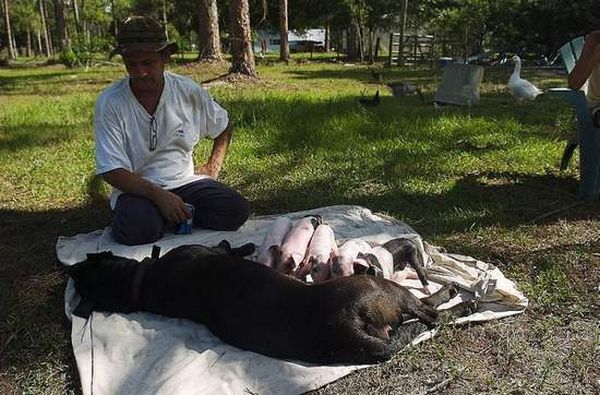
[153,137]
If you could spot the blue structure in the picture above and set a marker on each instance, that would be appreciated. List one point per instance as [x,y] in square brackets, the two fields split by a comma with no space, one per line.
[588,136]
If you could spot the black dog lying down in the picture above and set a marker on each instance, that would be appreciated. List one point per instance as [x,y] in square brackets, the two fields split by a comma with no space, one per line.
[354,319]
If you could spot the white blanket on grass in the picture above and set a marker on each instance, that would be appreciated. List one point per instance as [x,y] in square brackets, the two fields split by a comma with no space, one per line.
[144,353]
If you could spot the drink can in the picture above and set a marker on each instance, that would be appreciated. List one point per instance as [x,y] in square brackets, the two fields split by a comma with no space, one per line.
[185,227]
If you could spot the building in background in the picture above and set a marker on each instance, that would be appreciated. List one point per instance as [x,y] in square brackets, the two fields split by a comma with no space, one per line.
[299,41]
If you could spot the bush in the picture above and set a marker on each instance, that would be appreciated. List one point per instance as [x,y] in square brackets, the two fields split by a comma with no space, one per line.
[69,58]
[81,53]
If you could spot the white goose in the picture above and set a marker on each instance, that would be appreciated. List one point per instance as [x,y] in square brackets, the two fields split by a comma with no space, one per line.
[521,89]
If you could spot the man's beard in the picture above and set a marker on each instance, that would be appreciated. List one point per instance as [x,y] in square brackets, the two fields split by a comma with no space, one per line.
[146,82]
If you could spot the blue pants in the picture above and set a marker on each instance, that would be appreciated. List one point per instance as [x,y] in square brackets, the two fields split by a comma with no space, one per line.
[137,220]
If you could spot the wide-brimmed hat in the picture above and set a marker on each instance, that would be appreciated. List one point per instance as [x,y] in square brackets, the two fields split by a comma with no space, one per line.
[142,34]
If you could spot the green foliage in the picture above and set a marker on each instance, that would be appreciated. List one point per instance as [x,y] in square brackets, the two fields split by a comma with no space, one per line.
[83,52]
[69,58]
[519,26]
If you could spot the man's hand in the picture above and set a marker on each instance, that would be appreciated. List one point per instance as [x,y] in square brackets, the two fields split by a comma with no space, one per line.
[171,206]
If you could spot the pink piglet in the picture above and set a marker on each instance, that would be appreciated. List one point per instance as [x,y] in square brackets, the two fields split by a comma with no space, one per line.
[295,244]
[274,237]
[343,263]
[319,250]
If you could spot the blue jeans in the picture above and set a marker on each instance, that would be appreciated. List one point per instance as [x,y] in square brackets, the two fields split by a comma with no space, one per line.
[137,220]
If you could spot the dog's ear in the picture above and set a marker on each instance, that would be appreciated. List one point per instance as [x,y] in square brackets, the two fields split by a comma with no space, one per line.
[224,244]
[244,250]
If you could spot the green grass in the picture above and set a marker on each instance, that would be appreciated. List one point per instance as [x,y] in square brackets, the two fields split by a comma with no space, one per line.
[479,181]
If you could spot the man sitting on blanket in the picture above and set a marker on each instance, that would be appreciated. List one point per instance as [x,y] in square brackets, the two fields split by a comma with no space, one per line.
[146,128]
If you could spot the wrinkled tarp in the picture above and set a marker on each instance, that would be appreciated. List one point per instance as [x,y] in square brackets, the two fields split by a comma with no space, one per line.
[145,353]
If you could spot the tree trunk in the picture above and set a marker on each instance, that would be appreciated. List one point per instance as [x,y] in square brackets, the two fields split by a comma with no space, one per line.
[354,42]
[115,20]
[327,36]
[242,57]
[209,41]
[47,41]
[29,48]
[85,30]
[164,18]
[402,33]
[284,47]
[14,44]
[77,19]
[40,48]
[9,37]
[371,46]
[61,26]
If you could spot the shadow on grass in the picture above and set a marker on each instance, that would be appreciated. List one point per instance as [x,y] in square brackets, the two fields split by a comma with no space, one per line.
[40,134]
[364,73]
[46,83]
[36,330]
[29,239]
[475,201]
